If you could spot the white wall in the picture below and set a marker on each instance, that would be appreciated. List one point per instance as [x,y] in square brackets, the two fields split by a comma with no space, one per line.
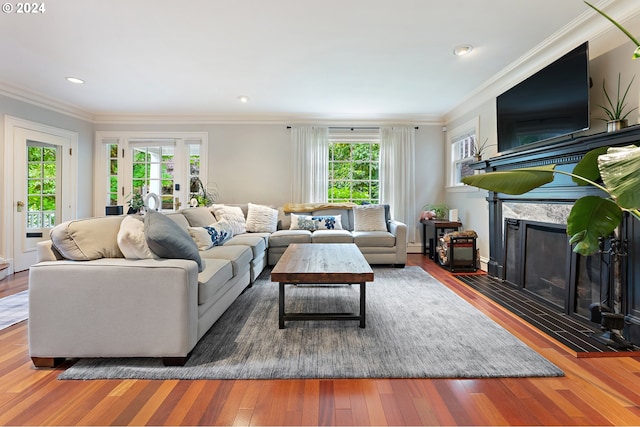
[430,174]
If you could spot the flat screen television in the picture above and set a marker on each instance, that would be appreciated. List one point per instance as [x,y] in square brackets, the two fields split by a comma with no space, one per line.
[551,103]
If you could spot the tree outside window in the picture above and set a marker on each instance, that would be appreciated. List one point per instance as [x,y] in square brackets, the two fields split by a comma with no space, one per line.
[354,172]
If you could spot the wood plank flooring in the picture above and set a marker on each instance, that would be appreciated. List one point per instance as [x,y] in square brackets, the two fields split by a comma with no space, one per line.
[598,391]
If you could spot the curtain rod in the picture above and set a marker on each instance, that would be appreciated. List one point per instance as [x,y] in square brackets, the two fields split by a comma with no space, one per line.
[355,127]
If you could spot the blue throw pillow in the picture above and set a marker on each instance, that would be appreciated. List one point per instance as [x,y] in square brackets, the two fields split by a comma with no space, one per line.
[167,240]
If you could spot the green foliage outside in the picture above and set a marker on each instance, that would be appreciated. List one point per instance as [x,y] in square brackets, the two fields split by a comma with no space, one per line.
[354,172]
[144,160]
[41,186]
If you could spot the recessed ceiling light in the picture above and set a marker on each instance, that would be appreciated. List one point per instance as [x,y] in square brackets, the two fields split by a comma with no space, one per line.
[75,80]
[462,50]
[243,99]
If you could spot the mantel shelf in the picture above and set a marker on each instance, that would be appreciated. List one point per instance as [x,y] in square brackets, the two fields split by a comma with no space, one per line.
[568,150]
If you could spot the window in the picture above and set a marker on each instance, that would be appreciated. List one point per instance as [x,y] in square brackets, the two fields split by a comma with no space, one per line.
[42,185]
[163,163]
[354,168]
[462,142]
[463,155]
[153,170]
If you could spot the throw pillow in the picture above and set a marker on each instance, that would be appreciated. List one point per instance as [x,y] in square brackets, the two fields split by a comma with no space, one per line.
[302,222]
[261,219]
[87,239]
[234,215]
[131,239]
[369,218]
[167,240]
[199,216]
[315,222]
[211,235]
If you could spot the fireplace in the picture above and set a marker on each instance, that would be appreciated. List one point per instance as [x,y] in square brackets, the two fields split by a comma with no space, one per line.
[529,248]
[539,261]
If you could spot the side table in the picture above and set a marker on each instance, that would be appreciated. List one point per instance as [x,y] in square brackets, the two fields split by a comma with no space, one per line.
[438,226]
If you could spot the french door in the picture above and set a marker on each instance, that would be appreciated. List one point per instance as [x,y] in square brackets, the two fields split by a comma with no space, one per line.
[158,164]
[41,195]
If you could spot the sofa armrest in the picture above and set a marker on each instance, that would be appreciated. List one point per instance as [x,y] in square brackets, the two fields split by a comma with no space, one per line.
[399,230]
[113,307]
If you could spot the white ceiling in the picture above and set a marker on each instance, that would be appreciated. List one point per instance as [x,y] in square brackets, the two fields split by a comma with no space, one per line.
[330,59]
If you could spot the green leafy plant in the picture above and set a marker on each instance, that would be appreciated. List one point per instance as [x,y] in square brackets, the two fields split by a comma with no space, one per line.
[135,202]
[615,111]
[441,210]
[204,196]
[636,53]
[613,170]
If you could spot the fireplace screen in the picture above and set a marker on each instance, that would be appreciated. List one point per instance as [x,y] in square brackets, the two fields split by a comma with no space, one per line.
[538,260]
[545,270]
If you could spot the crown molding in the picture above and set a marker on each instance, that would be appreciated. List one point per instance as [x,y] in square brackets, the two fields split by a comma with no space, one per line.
[44,101]
[268,119]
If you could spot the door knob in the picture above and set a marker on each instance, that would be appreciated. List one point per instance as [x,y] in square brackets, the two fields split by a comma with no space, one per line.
[19,205]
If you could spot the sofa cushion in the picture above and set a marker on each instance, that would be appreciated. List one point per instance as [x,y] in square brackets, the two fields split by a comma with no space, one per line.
[374,239]
[261,219]
[369,218]
[131,238]
[239,255]
[285,237]
[257,244]
[199,216]
[211,235]
[167,240]
[216,274]
[332,236]
[233,214]
[88,239]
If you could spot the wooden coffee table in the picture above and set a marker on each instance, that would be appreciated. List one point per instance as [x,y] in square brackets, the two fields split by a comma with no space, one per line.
[322,264]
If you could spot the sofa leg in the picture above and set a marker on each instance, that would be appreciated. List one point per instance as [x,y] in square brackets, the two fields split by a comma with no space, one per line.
[175,361]
[47,362]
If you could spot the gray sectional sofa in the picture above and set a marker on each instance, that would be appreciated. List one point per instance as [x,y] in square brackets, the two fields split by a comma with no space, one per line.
[122,286]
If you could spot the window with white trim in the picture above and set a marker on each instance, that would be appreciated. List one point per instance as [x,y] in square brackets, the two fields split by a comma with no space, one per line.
[354,166]
[462,149]
[462,155]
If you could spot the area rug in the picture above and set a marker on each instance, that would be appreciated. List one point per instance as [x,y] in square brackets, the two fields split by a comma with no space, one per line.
[416,328]
[14,309]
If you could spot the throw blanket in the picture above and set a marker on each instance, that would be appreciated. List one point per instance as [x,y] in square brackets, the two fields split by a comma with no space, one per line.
[309,207]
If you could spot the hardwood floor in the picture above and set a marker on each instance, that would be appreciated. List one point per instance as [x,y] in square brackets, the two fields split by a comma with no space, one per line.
[595,391]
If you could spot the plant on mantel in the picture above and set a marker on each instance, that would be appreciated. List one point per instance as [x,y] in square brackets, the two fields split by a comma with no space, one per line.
[613,170]
[616,117]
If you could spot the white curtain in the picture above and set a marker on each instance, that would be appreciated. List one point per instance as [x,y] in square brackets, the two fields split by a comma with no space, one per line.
[397,175]
[310,164]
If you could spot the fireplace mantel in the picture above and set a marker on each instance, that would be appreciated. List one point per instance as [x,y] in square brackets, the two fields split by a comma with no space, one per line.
[565,154]
[564,151]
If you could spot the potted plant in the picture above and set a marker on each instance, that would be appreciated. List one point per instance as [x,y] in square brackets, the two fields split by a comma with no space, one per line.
[136,203]
[614,170]
[616,117]
[202,196]
[478,150]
